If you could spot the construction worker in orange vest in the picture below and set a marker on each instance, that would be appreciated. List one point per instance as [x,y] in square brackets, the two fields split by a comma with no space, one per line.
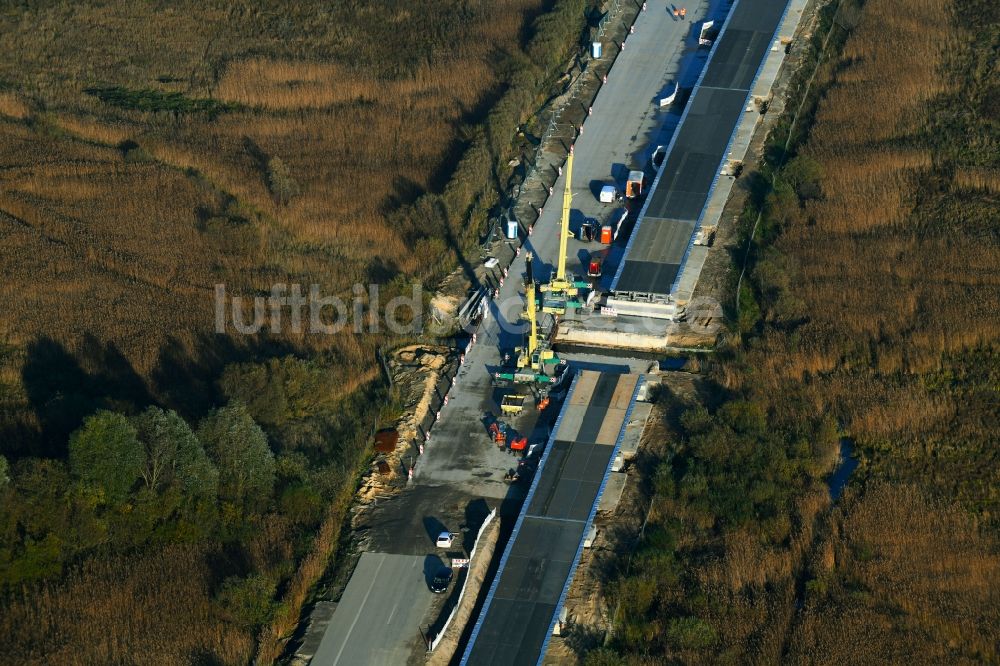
[677,13]
[684,13]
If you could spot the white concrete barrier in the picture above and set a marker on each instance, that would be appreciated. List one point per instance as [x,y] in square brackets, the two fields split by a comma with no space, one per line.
[432,645]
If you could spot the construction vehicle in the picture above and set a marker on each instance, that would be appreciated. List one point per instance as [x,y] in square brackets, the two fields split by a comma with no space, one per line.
[498,430]
[532,355]
[586,232]
[519,443]
[512,404]
[535,361]
[526,376]
[559,294]
[633,186]
[558,304]
[594,265]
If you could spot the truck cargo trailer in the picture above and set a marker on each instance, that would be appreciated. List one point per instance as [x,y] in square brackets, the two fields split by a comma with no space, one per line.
[633,188]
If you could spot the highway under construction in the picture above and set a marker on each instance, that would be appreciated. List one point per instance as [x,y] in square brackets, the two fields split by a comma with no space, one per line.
[535,432]
[537,565]
[675,206]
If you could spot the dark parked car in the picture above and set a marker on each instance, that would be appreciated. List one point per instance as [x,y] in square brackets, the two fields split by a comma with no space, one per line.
[441,580]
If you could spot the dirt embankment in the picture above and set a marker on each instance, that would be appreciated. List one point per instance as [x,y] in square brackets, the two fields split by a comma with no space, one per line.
[416,371]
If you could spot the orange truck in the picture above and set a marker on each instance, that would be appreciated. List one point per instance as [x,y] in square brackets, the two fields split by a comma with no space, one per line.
[633,187]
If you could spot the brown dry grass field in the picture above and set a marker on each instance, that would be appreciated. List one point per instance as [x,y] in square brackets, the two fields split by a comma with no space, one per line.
[117,222]
[900,279]
[139,147]
[86,620]
[895,269]
[900,578]
[884,283]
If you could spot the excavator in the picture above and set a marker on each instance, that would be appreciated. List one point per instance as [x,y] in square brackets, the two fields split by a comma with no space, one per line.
[561,292]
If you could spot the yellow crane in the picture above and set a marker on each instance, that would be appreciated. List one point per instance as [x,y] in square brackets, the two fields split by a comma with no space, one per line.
[560,294]
[530,356]
[560,284]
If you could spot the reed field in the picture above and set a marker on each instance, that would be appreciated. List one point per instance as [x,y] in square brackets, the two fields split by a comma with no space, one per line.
[899,577]
[898,301]
[118,220]
[139,145]
[150,151]
[135,610]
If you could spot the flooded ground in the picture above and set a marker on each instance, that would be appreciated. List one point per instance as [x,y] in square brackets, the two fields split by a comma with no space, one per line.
[848,463]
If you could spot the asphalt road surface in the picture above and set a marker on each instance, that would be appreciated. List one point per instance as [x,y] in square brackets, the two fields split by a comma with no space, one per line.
[376,620]
[627,123]
[539,560]
[656,253]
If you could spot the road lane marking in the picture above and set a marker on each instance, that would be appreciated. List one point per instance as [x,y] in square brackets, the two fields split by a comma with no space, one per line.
[742,90]
[357,616]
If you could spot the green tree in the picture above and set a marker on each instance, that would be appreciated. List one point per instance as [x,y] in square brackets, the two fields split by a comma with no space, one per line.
[180,482]
[696,420]
[781,208]
[173,454]
[238,447]
[744,417]
[804,174]
[748,308]
[105,454]
[301,503]
[776,275]
[43,524]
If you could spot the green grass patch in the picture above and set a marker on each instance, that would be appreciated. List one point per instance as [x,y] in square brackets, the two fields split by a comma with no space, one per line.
[157,100]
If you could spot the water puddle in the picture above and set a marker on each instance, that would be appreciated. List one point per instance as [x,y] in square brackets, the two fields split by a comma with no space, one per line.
[845,467]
